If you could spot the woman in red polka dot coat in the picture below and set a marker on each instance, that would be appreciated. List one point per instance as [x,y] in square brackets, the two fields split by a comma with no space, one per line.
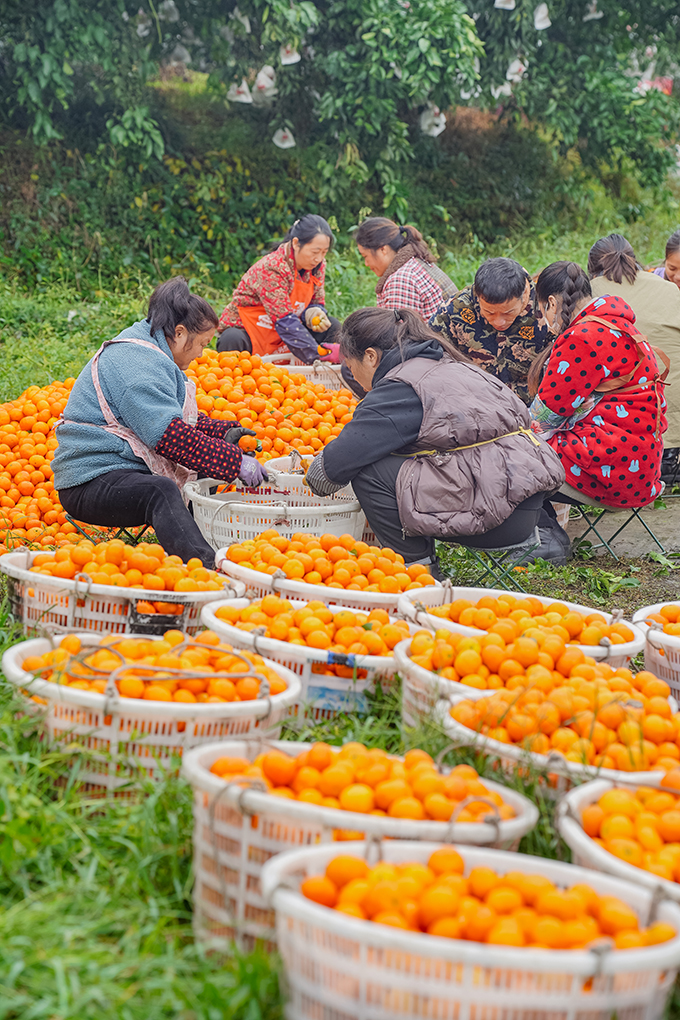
[599,401]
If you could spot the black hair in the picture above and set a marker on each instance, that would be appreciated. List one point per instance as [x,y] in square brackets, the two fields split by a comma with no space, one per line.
[613,257]
[568,281]
[673,244]
[385,328]
[379,231]
[500,280]
[172,304]
[306,229]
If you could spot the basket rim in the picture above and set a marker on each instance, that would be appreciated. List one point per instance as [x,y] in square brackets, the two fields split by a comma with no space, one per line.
[193,491]
[259,707]
[407,609]
[558,764]
[299,653]
[258,803]
[578,840]
[568,961]
[82,589]
[639,619]
[445,688]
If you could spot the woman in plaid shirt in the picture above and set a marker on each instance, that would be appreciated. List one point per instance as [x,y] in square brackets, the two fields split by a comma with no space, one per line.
[409,277]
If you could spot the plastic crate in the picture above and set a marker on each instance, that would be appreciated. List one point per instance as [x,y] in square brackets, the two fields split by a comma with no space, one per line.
[126,734]
[319,372]
[57,605]
[237,830]
[322,696]
[258,584]
[341,967]
[228,517]
[662,651]
[589,854]
[414,604]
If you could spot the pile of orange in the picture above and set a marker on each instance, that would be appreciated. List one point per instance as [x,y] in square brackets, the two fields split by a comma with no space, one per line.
[285,410]
[315,626]
[488,663]
[512,909]
[145,566]
[509,616]
[30,511]
[353,778]
[200,658]
[332,560]
[640,826]
[595,716]
[669,616]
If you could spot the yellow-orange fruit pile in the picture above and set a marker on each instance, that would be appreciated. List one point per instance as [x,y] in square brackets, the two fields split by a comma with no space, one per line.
[145,566]
[332,560]
[201,658]
[509,616]
[30,510]
[488,663]
[285,410]
[353,778]
[315,626]
[512,909]
[621,722]
[669,616]
[641,827]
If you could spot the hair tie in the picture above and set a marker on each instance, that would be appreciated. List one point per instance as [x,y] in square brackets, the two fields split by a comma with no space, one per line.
[403,231]
[397,315]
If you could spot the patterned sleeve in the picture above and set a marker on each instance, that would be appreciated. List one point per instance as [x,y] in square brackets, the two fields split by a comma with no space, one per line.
[215,427]
[209,456]
[573,371]
[411,289]
[274,288]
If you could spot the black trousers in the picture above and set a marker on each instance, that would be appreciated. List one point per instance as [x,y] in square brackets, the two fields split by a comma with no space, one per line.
[375,488]
[233,338]
[130,498]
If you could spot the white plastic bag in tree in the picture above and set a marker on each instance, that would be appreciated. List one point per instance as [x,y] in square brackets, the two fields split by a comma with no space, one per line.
[283,139]
[243,18]
[289,55]
[505,5]
[542,18]
[516,69]
[501,90]
[239,93]
[432,120]
[265,84]
[592,13]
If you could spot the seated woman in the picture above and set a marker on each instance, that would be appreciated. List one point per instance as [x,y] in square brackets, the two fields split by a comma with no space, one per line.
[409,276]
[614,270]
[670,270]
[279,304]
[438,448]
[600,401]
[131,434]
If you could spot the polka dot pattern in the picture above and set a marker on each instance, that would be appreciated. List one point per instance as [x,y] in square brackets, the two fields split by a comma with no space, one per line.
[612,455]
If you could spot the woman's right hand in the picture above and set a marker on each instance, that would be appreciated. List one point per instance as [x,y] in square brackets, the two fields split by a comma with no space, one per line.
[252,473]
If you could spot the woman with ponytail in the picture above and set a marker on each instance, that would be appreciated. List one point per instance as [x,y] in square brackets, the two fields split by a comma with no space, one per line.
[438,448]
[599,395]
[615,271]
[409,275]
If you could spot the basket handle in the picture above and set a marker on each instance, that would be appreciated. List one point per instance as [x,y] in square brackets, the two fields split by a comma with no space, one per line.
[494,819]
[654,633]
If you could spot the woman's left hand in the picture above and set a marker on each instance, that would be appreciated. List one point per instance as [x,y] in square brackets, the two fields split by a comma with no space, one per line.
[316,319]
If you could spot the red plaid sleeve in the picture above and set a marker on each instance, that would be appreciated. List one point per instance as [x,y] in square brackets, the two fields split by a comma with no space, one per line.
[411,287]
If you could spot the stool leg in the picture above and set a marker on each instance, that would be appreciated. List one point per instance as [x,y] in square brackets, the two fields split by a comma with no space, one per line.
[592,526]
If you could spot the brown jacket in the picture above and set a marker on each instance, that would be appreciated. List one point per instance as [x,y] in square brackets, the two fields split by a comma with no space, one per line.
[486,466]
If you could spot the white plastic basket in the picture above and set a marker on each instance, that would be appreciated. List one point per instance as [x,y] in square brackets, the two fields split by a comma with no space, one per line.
[589,854]
[258,584]
[322,696]
[564,774]
[284,480]
[236,830]
[340,966]
[662,651]
[319,372]
[229,517]
[57,605]
[125,734]
[421,688]
[412,604]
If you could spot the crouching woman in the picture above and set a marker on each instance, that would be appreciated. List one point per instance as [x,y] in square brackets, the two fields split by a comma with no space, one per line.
[438,449]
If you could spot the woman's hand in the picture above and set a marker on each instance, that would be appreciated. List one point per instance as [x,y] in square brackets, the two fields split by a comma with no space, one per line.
[234,434]
[316,319]
[252,473]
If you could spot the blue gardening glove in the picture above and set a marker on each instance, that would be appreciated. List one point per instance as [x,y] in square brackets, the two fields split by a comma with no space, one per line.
[252,473]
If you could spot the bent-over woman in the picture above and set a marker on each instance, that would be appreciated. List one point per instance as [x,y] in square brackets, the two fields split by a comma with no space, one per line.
[438,448]
[600,402]
[670,270]
[132,435]
[279,304]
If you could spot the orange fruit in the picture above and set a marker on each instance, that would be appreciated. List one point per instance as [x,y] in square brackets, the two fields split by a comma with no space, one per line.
[320,889]
[344,869]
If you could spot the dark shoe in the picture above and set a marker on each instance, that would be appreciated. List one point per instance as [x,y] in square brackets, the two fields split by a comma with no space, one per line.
[670,468]
[554,548]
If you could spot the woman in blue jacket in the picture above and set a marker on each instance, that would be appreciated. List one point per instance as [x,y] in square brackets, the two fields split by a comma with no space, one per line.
[132,436]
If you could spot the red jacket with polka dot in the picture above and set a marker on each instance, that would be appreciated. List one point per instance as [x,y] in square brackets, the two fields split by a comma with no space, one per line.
[613,453]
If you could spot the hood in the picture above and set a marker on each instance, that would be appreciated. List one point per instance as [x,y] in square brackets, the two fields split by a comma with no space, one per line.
[430,349]
[613,309]
[142,331]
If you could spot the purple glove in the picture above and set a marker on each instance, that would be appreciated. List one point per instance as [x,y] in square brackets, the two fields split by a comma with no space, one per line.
[252,473]
[333,353]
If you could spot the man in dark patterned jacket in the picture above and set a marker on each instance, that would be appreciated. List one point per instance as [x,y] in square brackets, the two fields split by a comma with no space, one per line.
[493,323]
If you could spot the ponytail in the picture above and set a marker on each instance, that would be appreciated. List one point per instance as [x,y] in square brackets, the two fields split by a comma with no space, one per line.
[384,329]
[172,304]
[613,257]
[379,231]
[565,280]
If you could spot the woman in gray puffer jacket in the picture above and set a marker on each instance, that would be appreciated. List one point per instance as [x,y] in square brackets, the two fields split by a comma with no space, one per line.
[438,448]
